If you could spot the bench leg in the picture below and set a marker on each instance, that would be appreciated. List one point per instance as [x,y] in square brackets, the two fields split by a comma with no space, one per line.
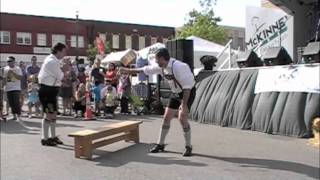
[77,147]
[87,148]
[134,135]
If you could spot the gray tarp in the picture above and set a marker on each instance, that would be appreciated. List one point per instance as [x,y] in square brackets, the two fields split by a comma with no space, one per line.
[227,98]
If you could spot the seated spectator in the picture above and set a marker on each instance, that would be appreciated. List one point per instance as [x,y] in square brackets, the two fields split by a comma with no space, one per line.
[80,100]
[109,99]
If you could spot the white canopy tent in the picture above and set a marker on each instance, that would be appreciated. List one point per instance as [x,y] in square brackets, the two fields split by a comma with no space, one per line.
[145,51]
[202,47]
[119,57]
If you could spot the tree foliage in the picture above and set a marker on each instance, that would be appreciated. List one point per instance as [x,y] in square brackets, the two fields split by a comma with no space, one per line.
[203,24]
[92,51]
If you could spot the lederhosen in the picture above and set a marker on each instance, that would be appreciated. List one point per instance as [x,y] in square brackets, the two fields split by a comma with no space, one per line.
[175,98]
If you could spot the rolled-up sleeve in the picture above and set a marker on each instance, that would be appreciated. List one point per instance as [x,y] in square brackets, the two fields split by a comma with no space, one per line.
[185,77]
[152,69]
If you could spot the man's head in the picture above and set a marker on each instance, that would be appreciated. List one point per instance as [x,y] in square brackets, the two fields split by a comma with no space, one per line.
[34,60]
[11,61]
[22,65]
[162,57]
[59,50]
[97,62]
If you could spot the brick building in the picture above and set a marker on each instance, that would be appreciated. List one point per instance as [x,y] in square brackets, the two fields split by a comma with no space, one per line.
[23,36]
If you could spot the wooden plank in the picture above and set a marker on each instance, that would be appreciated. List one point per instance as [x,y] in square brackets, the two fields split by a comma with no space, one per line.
[82,133]
[109,132]
[122,124]
[114,128]
[110,141]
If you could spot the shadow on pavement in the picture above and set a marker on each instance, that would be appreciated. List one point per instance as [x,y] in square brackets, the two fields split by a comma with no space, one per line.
[137,153]
[267,164]
[14,127]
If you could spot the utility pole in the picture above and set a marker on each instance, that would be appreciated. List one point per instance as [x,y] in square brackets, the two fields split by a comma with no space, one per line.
[77,34]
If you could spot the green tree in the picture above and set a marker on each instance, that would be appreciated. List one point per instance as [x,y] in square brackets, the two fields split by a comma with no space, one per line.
[203,24]
[91,52]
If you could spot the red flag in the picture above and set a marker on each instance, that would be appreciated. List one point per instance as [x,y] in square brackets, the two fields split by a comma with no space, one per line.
[100,45]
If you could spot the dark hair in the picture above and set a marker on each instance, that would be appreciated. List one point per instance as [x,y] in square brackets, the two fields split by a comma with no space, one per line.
[11,58]
[57,47]
[163,52]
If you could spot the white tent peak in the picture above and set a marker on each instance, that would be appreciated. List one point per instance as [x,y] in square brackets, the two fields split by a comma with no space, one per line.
[200,44]
[145,51]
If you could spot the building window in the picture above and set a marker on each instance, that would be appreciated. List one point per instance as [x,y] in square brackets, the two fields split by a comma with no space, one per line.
[128,42]
[23,38]
[142,42]
[41,39]
[58,38]
[74,41]
[103,37]
[80,41]
[154,40]
[4,37]
[115,41]
[164,40]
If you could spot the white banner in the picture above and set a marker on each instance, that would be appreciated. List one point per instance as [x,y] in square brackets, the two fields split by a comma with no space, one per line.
[288,79]
[266,28]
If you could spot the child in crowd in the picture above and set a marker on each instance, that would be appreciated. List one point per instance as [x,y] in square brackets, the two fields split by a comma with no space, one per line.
[124,90]
[33,96]
[80,100]
[109,99]
[96,90]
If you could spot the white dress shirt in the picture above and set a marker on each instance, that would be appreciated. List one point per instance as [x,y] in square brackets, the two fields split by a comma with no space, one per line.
[12,83]
[180,70]
[50,73]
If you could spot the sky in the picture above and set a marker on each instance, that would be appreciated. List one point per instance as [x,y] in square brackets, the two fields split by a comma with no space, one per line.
[151,12]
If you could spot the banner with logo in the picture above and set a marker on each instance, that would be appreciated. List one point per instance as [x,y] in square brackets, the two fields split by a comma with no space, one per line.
[288,79]
[266,27]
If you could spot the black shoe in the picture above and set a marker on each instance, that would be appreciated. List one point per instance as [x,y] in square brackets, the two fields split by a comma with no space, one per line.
[56,140]
[48,142]
[157,148]
[188,151]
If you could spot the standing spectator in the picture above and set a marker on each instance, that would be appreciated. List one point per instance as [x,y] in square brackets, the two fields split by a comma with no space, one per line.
[66,89]
[33,69]
[33,96]
[111,74]
[50,77]
[88,68]
[124,89]
[97,73]
[12,75]
[1,94]
[24,83]
[82,76]
[96,90]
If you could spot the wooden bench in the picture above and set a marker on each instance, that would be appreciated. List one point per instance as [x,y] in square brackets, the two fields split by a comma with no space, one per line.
[87,140]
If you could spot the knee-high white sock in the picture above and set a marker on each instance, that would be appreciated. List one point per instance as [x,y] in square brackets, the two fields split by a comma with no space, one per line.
[187,135]
[45,129]
[53,128]
[163,133]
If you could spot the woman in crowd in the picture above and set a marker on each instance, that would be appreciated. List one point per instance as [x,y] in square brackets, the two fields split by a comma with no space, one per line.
[111,74]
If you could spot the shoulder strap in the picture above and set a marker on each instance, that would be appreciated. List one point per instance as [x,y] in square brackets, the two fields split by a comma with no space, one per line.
[174,78]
